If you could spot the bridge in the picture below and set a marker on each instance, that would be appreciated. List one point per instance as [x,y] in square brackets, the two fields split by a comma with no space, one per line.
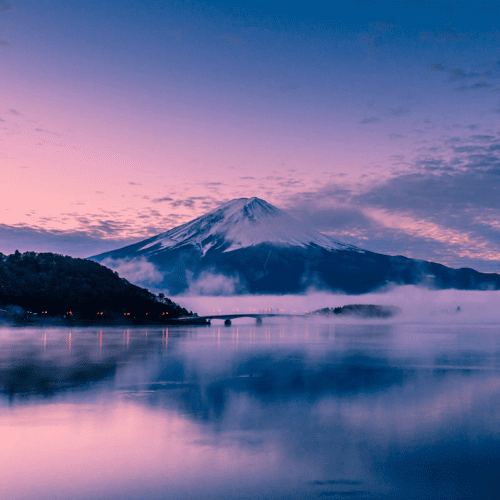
[228,317]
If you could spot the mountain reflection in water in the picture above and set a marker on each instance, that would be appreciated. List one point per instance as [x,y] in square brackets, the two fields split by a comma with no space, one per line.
[277,411]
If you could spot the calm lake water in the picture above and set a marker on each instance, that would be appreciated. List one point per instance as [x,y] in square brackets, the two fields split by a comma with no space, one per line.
[282,410]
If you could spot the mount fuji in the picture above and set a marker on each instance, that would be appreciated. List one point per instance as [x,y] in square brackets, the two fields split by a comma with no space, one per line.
[257,248]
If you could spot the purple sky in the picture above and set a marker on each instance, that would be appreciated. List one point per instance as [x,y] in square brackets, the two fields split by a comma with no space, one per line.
[376,122]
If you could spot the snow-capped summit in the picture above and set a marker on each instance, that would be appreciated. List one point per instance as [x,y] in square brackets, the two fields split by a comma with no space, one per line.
[241,223]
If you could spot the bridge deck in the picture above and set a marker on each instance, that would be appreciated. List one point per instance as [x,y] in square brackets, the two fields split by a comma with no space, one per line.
[246,315]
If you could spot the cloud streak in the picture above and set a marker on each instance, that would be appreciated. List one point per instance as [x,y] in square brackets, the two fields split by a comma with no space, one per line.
[484,77]
[75,243]
[445,207]
[371,119]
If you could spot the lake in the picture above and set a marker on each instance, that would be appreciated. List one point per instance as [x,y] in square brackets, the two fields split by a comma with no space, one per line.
[288,409]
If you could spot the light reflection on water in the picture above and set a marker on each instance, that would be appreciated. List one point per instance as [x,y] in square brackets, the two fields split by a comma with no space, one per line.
[281,410]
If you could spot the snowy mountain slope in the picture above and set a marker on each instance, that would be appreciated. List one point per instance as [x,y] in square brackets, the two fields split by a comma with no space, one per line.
[241,223]
[249,246]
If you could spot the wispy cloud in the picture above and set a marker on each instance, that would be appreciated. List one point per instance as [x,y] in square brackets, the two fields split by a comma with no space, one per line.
[437,67]
[177,32]
[162,200]
[400,110]
[371,44]
[483,75]
[282,88]
[231,38]
[446,33]
[288,89]
[475,86]
[383,27]
[25,238]
[371,119]
[444,207]
[45,131]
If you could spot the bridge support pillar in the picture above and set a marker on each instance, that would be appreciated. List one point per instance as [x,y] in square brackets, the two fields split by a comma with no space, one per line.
[227,322]
[258,320]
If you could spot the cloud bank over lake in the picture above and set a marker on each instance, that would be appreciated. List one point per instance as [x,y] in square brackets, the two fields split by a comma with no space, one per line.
[417,304]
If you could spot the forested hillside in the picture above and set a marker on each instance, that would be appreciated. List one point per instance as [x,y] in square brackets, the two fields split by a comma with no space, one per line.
[51,284]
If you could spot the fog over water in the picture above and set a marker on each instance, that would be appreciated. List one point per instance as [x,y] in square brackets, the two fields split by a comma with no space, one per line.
[304,408]
[416,304]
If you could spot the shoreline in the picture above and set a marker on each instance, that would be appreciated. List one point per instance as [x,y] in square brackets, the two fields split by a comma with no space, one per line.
[12,322]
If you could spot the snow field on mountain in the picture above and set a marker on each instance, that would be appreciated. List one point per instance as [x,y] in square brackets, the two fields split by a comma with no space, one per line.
[240,224]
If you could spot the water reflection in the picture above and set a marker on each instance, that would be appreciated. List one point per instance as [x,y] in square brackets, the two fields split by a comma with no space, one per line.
[277,411]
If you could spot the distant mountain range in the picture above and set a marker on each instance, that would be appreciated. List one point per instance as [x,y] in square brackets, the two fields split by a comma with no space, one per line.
[250,246]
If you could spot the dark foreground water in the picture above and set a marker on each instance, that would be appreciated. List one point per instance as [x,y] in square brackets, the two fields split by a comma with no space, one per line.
[277,411]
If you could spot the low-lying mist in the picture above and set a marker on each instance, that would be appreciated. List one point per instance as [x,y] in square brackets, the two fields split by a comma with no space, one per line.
[212,293]
[417,304]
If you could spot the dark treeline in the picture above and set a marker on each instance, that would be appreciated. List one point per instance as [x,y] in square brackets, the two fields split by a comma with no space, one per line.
[55,285]
[362,310]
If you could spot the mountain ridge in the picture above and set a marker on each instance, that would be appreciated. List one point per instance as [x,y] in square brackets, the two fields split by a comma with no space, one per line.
[261,249]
